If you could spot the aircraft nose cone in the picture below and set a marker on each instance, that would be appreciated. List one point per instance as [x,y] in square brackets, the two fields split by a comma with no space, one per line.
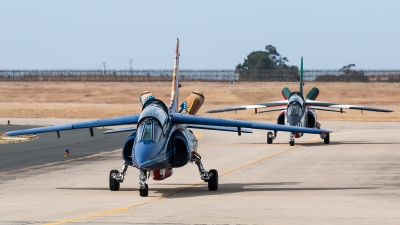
[294,120]
[144,154]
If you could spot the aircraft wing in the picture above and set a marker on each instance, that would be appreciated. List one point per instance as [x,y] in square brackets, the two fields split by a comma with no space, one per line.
[272,110]
[220,128]
[204,120]
[327,109]
[123,120]
[125,129]
[335,105]
[254,106]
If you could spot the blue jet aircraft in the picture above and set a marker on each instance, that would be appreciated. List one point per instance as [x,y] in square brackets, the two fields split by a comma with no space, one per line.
[161,140]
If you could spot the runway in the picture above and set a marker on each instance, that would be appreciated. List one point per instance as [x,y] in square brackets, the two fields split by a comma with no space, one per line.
[353,180]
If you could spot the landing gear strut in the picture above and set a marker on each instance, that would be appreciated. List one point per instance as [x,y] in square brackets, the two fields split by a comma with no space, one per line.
[116,177]
[143,187]
[211,177]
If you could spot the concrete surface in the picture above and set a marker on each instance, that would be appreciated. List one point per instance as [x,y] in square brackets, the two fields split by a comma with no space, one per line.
[353,180]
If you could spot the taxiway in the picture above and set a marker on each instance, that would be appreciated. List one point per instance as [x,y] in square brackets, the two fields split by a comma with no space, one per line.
[353,180]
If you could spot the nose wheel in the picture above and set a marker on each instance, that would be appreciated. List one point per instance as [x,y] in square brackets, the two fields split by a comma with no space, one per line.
[144,192]
[291,142]
[143,187]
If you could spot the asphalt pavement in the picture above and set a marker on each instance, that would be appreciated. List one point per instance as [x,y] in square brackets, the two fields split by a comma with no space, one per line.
[48,148]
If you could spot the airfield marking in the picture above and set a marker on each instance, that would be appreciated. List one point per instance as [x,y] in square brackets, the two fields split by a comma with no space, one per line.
[176,192]
[198,135]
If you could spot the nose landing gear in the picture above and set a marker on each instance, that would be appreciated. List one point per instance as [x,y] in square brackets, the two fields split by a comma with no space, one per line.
[143,187]
[291,142]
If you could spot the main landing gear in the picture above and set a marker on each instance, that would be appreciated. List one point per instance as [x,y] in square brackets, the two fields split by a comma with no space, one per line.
[211,177]
[116,177]
[271,136]
[323,136]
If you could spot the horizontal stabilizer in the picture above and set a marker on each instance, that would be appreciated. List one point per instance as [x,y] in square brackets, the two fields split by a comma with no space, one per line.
[286,93]
[206,127]
[126,129]
[313,94]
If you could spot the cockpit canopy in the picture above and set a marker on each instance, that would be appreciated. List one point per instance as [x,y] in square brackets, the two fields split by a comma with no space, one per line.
[149,130]
[152,121]
[155,111]
[294,108]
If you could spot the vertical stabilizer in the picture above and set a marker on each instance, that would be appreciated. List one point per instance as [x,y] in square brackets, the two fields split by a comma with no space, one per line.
[175,81]
[301,76]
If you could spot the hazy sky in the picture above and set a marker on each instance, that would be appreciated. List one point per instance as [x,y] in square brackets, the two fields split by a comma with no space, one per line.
[216,34]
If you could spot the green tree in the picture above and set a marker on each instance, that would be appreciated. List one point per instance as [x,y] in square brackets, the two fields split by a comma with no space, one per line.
[348,75]
[267,65]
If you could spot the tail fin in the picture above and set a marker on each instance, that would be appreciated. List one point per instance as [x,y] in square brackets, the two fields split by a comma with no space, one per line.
[286,93]
[175,81]
[301,77]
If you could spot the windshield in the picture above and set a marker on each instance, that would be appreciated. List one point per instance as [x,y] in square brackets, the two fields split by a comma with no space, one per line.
[149,130]
[294,109]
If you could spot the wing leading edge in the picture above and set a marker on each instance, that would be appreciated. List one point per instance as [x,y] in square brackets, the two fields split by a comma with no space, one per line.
[203,120]
[123,120]
[254,106]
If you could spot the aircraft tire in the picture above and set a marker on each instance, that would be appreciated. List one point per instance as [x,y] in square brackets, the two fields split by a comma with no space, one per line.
[144,192]
[114,185]
[213,182]
[269,140]
[326,139]
[291,143]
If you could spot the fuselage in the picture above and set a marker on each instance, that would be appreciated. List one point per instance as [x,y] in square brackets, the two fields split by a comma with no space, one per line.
[298,113]
[157,143]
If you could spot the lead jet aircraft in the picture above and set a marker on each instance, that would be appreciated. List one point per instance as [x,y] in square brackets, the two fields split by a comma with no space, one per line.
[162,140]
[298,111]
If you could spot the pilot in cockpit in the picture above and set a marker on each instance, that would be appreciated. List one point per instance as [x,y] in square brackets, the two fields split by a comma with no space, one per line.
[294,109]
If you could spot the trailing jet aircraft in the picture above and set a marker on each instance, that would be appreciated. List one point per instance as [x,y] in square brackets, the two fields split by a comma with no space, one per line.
[162,140]
[298,111]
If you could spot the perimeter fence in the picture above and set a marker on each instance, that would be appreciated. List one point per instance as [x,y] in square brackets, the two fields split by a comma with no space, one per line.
[199,75]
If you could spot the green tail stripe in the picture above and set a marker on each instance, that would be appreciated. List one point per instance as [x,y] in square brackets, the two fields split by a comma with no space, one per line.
[301,77]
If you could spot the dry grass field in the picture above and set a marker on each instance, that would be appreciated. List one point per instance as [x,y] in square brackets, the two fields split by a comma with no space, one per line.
[100,100]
